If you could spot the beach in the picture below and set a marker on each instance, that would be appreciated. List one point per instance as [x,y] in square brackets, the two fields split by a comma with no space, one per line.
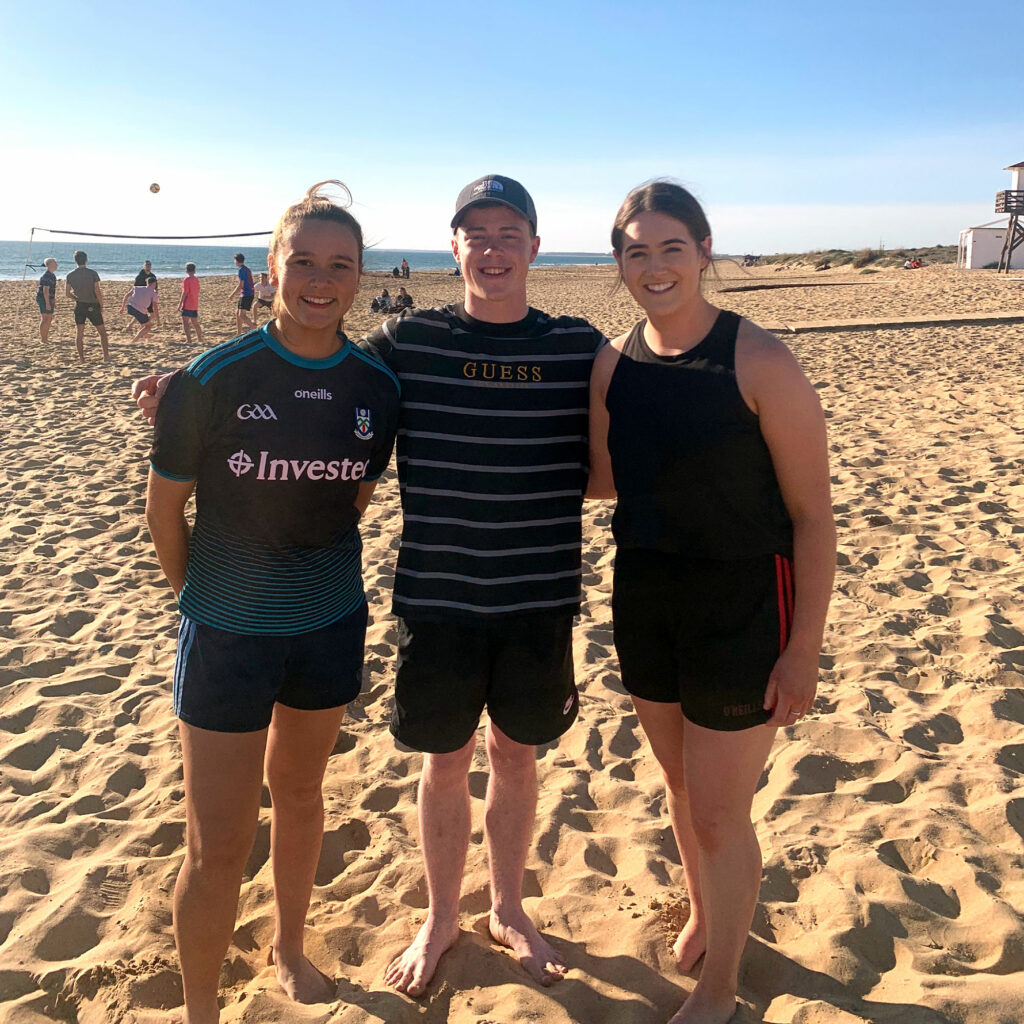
[891,819]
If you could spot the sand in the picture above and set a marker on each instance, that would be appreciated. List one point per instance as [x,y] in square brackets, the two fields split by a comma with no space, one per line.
[891,819]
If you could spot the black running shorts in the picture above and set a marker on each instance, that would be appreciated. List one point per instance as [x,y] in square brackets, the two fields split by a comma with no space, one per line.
[702,633]
[520,669]
[229,682]
[245,302]
[91,311]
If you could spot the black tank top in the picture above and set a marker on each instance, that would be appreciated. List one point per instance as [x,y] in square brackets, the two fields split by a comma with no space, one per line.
[692,471]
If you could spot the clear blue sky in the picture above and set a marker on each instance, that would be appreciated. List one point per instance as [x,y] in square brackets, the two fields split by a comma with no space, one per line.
[799,125]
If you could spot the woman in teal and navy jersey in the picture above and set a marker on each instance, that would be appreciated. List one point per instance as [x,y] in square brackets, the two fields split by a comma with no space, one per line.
[282,434]
[714,441]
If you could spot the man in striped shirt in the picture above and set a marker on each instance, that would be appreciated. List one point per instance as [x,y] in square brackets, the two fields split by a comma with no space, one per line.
[492,464]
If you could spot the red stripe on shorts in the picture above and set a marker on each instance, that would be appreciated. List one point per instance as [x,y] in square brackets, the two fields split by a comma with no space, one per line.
[780,593]
[787,569]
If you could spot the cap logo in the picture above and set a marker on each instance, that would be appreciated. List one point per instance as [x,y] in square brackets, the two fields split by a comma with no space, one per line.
[490,185]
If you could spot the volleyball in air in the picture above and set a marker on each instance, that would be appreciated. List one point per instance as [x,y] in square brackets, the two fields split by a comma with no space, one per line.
[154,188]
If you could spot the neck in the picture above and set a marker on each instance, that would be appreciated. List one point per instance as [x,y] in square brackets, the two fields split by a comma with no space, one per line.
[503,311]
[310,344]
[681,329]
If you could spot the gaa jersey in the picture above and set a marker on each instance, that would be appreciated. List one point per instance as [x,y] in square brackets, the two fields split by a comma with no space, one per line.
[278,446]
[492,461]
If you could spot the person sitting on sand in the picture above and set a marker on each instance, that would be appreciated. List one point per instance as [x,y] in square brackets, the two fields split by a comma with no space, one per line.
[270,649]
[715,443]
[384,301]
[46,296]
[83,285]
[188,305]
[403,300]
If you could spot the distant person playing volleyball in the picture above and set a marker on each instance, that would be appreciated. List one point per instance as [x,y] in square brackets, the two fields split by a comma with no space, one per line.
[265,292]
[189,305]
[83,285]
[245,293]
[46,296]
[137,301]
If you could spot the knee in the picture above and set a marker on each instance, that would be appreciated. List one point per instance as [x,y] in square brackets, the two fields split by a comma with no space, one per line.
[446,769]
[717,827]
[675,780]
[219,853]
[508,757]
[295,796]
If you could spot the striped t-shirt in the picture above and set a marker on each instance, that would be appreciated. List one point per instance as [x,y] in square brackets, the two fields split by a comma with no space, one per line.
[492,461]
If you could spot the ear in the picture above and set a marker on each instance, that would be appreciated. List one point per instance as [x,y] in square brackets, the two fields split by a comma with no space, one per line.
[271,270]
[534,247]
[455,249]
[705,251]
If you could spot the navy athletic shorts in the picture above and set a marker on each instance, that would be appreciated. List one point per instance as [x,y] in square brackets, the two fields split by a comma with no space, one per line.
[229,682]
[702,633]
[245,302]
[520,669]
[41,303]
[143,318]
[191,313]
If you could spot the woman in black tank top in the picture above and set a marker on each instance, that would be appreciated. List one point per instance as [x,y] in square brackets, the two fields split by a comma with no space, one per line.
[714,441]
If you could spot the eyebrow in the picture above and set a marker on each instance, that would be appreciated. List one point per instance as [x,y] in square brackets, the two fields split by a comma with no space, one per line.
[503,227]
[667,241]
[335,256]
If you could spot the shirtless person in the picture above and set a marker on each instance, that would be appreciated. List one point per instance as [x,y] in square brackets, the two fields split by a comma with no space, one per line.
[83,285]
[492,461]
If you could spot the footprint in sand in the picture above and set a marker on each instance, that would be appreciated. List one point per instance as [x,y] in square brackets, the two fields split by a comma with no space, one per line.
[352,837]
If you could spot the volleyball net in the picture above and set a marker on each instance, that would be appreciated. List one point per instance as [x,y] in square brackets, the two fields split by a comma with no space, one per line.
[135,238]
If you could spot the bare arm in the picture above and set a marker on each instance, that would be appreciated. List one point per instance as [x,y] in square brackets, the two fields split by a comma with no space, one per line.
[793,426]
[99,295]
[124,301]
[365,493]
[165,514]
[68,293]
[601,483]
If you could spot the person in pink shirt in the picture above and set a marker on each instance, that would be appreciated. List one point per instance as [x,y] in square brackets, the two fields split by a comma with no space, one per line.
[189,304]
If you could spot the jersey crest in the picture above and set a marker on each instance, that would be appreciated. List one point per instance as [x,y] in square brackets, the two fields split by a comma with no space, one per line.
[364,424]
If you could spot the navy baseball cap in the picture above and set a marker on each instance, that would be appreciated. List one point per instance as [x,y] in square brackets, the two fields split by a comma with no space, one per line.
[496,188]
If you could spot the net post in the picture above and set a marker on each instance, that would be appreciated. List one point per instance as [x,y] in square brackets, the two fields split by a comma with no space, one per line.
[28,255]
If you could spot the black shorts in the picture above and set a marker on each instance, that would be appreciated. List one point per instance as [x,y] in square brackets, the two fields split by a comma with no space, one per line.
[519,668]
[269,303]
[143,318]
[91,311]
[229,682]
[703,633]
[245,302]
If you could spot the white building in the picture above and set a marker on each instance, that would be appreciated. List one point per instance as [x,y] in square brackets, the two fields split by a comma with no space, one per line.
[983,245]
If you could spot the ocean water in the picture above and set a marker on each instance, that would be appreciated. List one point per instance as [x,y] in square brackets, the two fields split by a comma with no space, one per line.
[121,262]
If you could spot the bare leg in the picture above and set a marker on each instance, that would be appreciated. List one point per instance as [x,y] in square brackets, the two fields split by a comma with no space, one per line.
[300,743]
[223,772]
[79,341]
[723,769]
[444,835]
[103,343]
[664,725]
[508,825]
[44,327]
[186,326]
[146,328]
[199,331]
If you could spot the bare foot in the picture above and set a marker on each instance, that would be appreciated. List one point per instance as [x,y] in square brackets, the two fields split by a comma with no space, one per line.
[690,944]
[301,981]
[410,972]
[701,1008]
[518,933]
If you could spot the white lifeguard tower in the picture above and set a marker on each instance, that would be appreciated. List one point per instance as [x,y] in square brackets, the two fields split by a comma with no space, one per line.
[997,241]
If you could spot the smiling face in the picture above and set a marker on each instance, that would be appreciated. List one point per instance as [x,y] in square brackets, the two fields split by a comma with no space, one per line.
[495,247]
[661,263]
[315,268]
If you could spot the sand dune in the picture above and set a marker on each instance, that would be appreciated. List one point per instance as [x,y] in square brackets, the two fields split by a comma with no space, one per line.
[891,819]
